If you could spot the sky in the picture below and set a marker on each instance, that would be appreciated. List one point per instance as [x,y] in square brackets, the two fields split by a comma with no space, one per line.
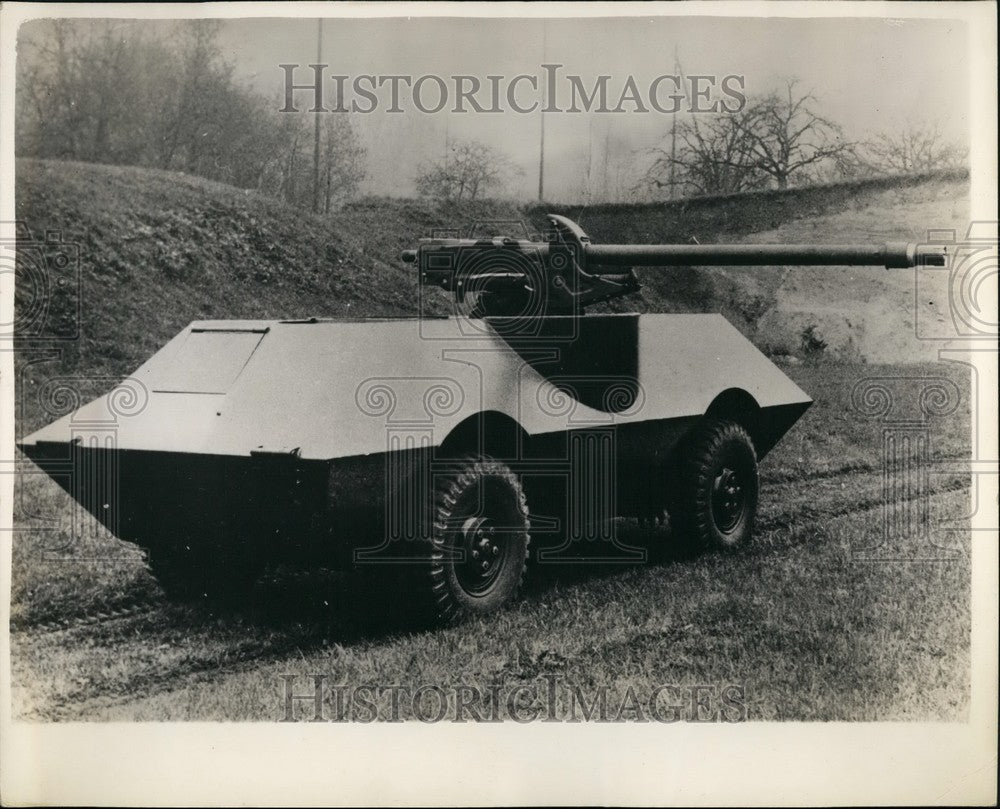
[869,75]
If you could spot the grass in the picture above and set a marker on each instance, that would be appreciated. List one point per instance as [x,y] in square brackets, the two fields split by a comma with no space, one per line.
[834,436]
[809,625]
[801,620]
[808,630]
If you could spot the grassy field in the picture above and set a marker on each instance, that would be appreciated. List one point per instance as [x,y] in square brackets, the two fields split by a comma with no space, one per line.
[817,619]
[805,621]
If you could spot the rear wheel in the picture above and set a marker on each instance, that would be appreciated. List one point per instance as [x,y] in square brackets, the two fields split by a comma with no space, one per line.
[479,541]
[716,486]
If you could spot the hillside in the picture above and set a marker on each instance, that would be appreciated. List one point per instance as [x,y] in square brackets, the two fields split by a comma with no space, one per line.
[861,314]
[159,249]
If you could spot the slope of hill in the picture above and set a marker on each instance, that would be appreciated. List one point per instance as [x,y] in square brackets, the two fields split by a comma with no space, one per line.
[160,249]
[862,314]
[856,312]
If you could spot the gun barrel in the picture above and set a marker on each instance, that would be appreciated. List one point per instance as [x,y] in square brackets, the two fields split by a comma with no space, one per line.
[567,272]
[890,255]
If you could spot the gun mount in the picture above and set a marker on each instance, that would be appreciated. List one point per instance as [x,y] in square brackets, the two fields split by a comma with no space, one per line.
[566,272]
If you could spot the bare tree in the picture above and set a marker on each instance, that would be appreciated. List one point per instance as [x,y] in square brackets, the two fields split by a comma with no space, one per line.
[789,139]
[849,164]
[102,100]
[112,91]
[342,166]
[188,104]
[916,147]
[774,140]
[470,170]
[49,68]
[712,155]
[287,170]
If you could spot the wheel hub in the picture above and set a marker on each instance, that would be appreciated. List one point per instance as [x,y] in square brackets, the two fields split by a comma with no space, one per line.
[482,544]
[728,499]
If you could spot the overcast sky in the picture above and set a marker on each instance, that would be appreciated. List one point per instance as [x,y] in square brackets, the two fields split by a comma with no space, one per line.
[869,75]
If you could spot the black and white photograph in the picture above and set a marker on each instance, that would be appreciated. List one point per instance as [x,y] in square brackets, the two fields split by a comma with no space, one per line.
[479,404]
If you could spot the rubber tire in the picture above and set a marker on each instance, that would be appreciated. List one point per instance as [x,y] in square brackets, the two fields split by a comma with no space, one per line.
[439,586]
[702,455]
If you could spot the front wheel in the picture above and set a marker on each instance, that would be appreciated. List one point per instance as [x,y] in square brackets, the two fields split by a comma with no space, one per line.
[716,486]
[479,540]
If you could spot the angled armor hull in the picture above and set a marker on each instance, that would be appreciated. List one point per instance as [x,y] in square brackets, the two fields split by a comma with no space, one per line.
[239,425]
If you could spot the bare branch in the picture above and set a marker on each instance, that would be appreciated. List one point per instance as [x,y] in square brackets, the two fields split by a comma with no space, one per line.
[468,171]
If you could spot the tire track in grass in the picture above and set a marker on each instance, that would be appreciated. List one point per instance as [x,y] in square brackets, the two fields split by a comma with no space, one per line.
[853,467]
[154,682]
[677,648]
[203,645]
[533,663]
[865,488]
[142,604]
[860,491]
[123,610]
